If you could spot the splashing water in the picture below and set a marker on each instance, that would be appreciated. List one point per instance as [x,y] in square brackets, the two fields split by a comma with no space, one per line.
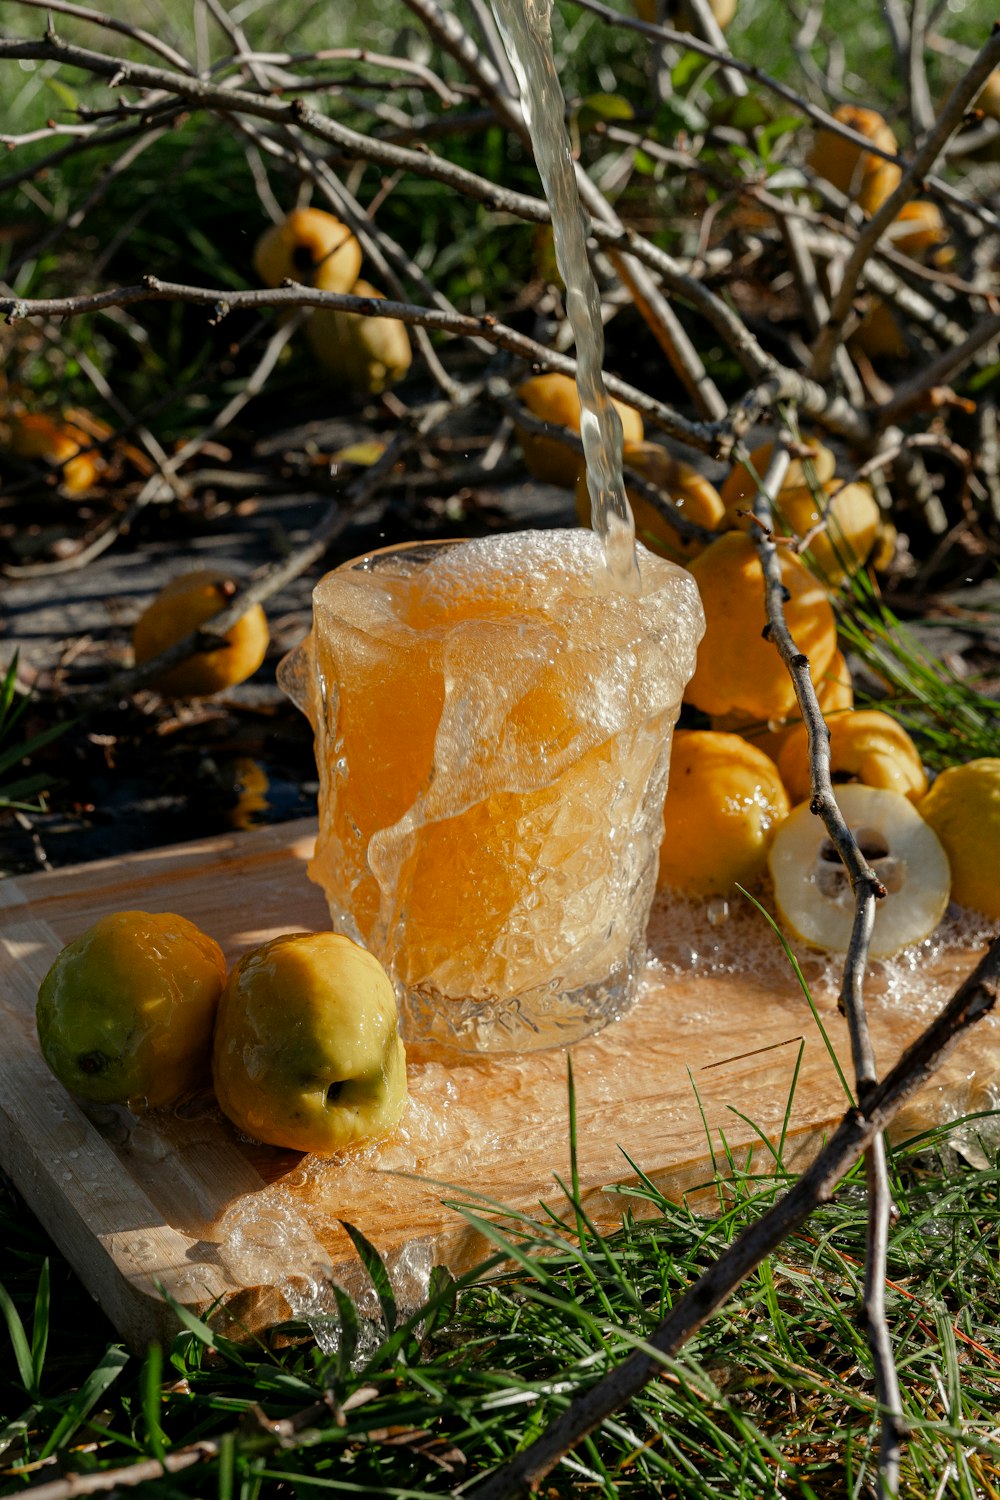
[526,29]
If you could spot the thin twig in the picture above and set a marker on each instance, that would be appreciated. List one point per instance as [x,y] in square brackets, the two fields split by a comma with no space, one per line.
[825,407]
[867,889]
[666,327]
[110,23]
[499,390]
[913,391]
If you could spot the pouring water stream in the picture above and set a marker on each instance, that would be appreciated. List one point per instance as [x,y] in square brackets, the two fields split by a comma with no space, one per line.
[525,26]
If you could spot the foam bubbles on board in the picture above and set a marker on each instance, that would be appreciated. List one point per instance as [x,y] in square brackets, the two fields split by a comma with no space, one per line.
[264,1239]
[262,1230]
[686,937]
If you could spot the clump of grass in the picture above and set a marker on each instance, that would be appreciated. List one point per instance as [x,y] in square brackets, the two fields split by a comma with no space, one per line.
[951,720]
[774,1397]
[17,792]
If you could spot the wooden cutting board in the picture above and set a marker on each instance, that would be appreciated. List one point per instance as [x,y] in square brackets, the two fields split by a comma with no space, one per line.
[720,1055]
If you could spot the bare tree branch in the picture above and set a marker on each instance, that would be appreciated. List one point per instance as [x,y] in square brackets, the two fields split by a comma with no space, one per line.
[859,1129]
[711,438]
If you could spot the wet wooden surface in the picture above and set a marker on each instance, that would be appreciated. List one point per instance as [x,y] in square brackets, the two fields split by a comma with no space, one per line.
[703,1066]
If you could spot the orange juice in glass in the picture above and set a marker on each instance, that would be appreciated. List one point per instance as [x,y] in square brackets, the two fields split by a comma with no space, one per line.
[492,724]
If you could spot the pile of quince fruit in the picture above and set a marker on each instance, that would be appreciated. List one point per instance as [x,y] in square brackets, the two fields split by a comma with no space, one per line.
[299,1040]
[738,802]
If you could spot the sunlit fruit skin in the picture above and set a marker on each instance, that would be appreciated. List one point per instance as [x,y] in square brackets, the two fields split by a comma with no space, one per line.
[963,808]
[189,601]
[307,1052]
[813,895]
[866,746]
[919,229]
[36,435]
[554,398]
[724,802]
[694,495]
[834,693]
[125,1014]
[878,334]
[311,247]
[674,15]
[988,99]
[740,486]
[850,517]
[738,670]
[251,785]
[861,175]
[363,354]
[842,523]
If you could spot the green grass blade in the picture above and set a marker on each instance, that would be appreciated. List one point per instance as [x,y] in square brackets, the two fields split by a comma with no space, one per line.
[19,752]
[375,1266]
[347,1315]
[227,1466]
[7,686]
[574,1165]
[149,1382]
[796,970]
[16,793]
[40,1326]
[19,1341]
[17,1429]
[86,1398]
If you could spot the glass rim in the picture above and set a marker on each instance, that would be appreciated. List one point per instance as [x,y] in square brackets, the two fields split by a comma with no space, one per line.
[368,562]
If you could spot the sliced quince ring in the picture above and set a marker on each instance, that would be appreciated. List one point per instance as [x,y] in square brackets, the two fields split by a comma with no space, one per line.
[811,888]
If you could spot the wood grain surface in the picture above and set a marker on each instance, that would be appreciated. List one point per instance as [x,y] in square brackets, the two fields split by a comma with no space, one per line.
[720,1054]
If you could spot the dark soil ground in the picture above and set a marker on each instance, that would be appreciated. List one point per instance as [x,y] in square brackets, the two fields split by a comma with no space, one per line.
[150,771]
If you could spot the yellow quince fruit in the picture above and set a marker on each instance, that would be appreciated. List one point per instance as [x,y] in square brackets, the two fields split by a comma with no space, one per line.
[125,1014]
[554,398]
[866,746]
[963,808]
[834,693]
[358,353]
[860,174]
[724,802]
[307,1052]
[309,246]
[63,445]
[694,495]
[187,602]
[842,521]
[738,670]
[740,485]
